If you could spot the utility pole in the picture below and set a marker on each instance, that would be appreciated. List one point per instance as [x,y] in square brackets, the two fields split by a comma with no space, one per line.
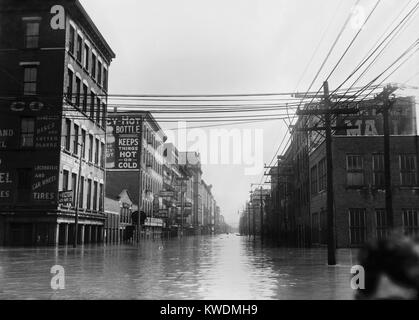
[261,214]
[182,210]
[254,222]
[76,222]
[331,243]
[387,104]
[248,219]
[327,111]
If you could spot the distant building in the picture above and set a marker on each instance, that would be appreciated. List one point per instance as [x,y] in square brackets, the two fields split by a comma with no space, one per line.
[129,132]
[53,84]
[192,163]
[206,220]
[176,179]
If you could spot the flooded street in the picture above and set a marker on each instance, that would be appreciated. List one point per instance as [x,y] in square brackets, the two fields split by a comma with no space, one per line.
[219,267]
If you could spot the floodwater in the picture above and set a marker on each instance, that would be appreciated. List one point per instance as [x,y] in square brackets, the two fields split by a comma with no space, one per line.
[223,267]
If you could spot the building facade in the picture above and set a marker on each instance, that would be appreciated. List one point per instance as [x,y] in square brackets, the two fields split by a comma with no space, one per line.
[359,190]
[140,173]
[299,180]
[54,83]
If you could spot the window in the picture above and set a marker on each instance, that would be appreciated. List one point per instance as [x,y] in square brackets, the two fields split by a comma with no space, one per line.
[355,170]
[83,141]
[97,152]
[27,132]
[29,80]
[79,48]
[67,134]
[86,57]
[103,115]
[74,188]
[78,91]
[71,40]
[65,180]
[85,94]
[32,34]
[101,197]
[313,176]
[357,226]
[381,223]
[102,155]
[89,194]
[70,76]
[105,79]
[92,105]
[95,196]
[76,139]
[94,61]
[322,175]
[81,193]
[410,222]
[408,172]
[99,73]
[24,184]
[378,178]
[91,148]
[98,106]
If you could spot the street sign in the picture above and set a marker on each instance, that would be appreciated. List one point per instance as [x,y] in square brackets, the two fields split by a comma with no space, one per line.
[65,198]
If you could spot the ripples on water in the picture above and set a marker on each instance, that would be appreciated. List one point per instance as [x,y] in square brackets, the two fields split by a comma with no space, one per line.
[220,267]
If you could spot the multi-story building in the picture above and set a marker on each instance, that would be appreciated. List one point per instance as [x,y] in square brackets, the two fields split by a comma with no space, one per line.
[54,83]
[299,199]
[176,178]
[140,173]
[192,163]
[359,190]
[205,221]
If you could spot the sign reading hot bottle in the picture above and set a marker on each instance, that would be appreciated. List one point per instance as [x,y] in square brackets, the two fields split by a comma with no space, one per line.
[123,142]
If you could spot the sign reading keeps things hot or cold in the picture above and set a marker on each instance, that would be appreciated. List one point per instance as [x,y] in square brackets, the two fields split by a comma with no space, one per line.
[123,142]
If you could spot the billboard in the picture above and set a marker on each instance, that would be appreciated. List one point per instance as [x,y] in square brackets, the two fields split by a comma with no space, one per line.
[123,140]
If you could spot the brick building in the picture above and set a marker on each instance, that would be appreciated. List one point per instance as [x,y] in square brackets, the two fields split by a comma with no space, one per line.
[298,182]
[127,132]
[54,82]
[359,195]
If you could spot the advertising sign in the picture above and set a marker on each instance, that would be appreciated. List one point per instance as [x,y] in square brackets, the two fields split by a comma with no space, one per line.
[123,141]
[65,198]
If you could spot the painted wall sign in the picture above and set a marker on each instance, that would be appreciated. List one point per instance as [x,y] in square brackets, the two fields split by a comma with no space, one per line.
[45,183]
[123,142]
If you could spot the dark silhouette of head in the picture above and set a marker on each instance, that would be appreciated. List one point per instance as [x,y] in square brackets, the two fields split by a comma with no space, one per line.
[391,269]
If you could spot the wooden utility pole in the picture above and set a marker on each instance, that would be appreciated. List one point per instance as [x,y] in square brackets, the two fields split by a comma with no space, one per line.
[387,104]
[261,214]
[248,219]
[327,111]
[254,222]
[331,243]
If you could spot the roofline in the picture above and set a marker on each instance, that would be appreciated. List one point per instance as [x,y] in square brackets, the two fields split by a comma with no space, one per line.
[85,15]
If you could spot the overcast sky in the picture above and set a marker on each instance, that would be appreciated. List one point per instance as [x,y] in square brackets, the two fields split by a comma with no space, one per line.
[241,46]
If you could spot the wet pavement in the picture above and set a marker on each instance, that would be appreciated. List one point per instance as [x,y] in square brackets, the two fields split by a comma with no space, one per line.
[219,267]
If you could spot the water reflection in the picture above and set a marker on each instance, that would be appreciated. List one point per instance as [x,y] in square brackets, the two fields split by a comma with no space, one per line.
[221,267]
